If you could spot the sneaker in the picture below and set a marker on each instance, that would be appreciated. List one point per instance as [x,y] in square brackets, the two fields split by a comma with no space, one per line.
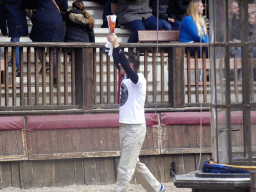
[162,188]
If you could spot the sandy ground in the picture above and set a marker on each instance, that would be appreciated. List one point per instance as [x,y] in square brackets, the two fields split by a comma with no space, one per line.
[94,188]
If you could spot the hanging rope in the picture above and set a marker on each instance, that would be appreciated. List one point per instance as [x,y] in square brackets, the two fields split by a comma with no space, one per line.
[201,107]
[156,71]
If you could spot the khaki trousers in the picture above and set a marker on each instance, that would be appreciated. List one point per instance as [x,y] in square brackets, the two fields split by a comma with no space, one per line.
[131,139]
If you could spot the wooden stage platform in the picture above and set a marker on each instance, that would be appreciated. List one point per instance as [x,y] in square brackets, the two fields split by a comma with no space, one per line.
[44,151]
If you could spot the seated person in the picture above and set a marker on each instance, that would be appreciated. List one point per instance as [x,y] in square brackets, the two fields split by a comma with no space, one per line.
[107,11]
[180,8]
[234,27]
[193,26]
[166,13]
[137,15]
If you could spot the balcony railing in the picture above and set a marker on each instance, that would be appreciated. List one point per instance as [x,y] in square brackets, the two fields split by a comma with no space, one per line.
[87,78]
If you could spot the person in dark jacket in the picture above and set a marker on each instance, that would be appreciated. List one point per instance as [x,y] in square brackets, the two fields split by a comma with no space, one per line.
[166,13]
[79,24]
[48,25]
[13,17]
[180,8]
[107,11]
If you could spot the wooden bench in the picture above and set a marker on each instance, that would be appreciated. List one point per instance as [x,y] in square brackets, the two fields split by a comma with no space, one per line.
[161,36]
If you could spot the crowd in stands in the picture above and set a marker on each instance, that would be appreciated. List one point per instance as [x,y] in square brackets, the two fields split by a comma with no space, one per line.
[133,14]
[47,18]
[47,24]
[142,15]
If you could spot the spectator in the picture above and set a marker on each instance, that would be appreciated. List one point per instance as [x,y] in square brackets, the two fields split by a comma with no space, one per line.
[180,8]
[79,24]
[234,27]
[48,25]
[193,27]
[107,11]
[251,38]
[166,13]
[251,26]
[136,15]
[13,17]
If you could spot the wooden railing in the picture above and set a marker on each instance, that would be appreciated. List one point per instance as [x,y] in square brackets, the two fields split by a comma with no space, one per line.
[87,78]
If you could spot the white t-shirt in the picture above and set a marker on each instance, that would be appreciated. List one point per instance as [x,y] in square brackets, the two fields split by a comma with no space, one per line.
[132,101]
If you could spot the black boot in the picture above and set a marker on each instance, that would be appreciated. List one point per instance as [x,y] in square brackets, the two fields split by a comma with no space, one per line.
[55,82]
[104,25]
[47,69]
[18,72]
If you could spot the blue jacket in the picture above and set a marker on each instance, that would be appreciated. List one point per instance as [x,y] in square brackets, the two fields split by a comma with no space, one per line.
[47,20]
[13,17]
[188,31]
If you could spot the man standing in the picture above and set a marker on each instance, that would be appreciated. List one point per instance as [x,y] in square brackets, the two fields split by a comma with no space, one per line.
[13,17]
[132,129]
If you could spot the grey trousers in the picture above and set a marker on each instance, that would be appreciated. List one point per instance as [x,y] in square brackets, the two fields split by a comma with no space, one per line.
[131,139]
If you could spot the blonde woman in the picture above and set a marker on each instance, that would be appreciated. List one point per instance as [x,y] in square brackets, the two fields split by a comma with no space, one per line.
[193,27]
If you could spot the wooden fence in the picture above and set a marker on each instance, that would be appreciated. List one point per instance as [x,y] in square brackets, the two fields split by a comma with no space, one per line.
[41,151]
[87,78]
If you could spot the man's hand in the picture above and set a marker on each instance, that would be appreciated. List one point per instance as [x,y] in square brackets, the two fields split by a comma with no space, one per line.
[171,20]
[113,39]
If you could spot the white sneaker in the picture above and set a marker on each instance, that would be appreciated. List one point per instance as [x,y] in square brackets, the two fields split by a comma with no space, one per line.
[162,189]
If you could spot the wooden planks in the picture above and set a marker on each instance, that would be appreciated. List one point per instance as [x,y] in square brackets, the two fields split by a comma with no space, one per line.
[91,156]
[153,35]
[12,145]
[90,171]
[66,172]
[185,137]
[82,143]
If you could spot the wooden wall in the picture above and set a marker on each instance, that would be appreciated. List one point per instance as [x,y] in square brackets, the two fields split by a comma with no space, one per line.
[45,158]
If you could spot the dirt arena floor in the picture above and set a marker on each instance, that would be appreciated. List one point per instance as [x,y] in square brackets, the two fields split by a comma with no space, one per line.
[93,188]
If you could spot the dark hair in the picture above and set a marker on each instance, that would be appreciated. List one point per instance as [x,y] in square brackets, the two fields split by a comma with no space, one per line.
[134,59]
[78,4]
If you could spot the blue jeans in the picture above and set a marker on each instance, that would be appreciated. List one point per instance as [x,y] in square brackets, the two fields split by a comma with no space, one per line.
[166,25]
[17,39]
[1,52]
[40,55]
[239,52]
[171,26]
[232,51]
[136,25]
[199,50]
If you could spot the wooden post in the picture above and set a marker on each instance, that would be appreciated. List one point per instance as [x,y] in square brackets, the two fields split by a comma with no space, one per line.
[84,78]
[253,181]
[176,77]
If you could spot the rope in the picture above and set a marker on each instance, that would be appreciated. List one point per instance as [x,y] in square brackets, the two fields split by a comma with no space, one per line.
[157,29]
[201,111]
